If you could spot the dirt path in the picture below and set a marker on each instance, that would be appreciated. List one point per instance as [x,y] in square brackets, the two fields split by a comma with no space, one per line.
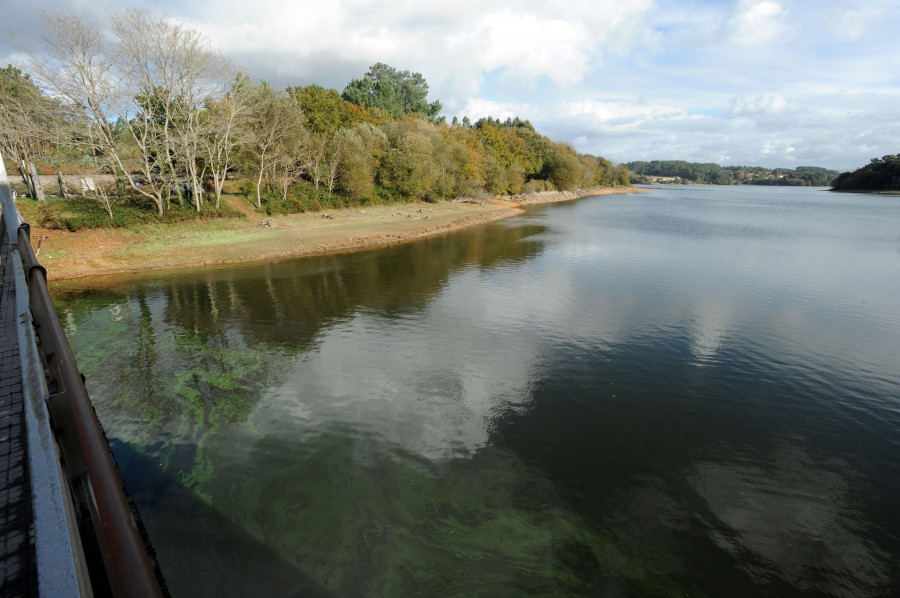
[196,244]
[241,206]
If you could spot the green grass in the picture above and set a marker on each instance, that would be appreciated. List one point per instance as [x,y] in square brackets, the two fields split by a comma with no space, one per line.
[78,213]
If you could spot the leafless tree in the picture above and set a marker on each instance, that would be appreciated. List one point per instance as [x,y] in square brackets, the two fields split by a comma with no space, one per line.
[139,95]
[171,72]
[77,66]
[27,124]
[336,147]
[225,121]
[314,160]
[275,137]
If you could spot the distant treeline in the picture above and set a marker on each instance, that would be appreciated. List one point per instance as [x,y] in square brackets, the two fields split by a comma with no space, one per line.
[679,171]
[172,120]
[881,174]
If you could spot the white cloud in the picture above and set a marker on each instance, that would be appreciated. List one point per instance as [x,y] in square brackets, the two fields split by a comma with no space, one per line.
[453,44]
[768,103]
[849,22]
[476,108]
[507,40]
[618,114]
[759,22]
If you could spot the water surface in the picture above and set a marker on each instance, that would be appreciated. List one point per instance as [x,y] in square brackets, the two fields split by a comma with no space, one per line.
[689,391]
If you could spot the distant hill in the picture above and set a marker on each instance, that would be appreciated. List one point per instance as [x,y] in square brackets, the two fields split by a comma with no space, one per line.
[679,171]
[881,174]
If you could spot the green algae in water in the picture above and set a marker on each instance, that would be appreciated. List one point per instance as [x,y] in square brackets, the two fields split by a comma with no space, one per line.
[390,523]
[166,382]
[400,526]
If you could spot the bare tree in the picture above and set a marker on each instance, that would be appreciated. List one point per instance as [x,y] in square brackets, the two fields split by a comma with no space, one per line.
[77,67]
[287,168]
[225,120]
[140,98]
[336,147]
[27,124]
[275,137]
[287,163]
[314,159]
[171,72]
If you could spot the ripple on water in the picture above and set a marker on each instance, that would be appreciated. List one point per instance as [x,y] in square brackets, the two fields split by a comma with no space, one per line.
[796,521]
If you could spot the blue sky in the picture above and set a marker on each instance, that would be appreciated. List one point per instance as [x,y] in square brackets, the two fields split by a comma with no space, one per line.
[754,82]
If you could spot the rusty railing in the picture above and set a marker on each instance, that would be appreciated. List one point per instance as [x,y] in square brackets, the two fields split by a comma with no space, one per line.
[94,483]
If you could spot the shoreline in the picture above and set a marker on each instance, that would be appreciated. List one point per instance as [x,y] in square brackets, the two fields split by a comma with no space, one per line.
[866,191]
[101,252]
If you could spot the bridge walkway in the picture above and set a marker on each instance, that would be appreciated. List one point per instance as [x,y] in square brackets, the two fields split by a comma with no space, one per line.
[18,572]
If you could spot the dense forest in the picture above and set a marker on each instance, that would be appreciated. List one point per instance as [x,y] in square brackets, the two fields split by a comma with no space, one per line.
[158,109]
[881,174]
[679,171]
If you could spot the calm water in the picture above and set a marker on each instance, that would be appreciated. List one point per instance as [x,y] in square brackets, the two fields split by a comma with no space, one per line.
[693,391]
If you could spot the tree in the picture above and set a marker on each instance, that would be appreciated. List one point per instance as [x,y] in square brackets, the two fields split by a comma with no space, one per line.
[155,79]
[290,150]
[507,147]
[515,178]
[398,92]
[171,73]
[324,109]
[364,147]
[564,170]
[337,148]
[77,68]
[314,159]
[408,164]
[880,174]
[224,121]
[275,137]
[713,174]
[28,123]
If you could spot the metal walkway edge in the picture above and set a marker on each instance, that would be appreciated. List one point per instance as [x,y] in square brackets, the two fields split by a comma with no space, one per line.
[18,571]
[66,526]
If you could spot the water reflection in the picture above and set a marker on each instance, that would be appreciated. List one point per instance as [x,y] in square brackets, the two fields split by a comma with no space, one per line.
[202,346]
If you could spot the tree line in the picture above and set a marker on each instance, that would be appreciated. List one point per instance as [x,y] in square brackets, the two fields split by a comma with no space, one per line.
[154,105]
[714,174]
[880,174]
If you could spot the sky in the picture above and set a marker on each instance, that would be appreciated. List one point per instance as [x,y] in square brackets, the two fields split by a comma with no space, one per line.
[775,83]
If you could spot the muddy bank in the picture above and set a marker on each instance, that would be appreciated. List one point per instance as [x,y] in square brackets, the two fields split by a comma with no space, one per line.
[558,196]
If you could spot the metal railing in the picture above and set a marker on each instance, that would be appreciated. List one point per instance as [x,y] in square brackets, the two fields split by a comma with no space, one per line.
[94,487]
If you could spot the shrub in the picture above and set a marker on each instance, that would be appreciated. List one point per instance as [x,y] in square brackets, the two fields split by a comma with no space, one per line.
[564,171]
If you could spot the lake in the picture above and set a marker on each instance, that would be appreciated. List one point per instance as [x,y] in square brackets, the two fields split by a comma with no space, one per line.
[690,391]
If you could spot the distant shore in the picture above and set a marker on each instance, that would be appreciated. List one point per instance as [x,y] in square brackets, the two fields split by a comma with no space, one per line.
[68,255]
